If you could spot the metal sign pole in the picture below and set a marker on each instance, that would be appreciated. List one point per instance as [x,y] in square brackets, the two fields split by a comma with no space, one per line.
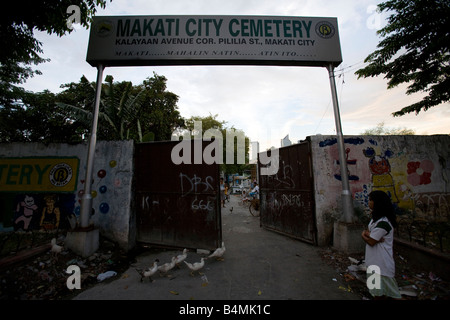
[86,199]
[347,202]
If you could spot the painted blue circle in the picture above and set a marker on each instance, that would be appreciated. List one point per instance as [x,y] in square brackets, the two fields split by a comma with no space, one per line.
[103,189]
[104,207]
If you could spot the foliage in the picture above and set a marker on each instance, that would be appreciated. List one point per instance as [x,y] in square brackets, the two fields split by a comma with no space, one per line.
[20,49]
[37,118]
[211,122]
[161,116]
[126,111]
[415,50]
[142,113]
[380,129]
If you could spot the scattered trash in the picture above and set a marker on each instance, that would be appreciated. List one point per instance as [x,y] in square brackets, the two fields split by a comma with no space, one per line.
[174,293]
[433,277]
[106,275]
[349,277]
[353,260]
[203,251]
[356,271]
[348,289]
[44,277]
[410,290]
[414,283]
[259,293]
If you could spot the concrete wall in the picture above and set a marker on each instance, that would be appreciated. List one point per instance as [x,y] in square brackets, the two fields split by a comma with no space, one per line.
[414,170]
[26,167]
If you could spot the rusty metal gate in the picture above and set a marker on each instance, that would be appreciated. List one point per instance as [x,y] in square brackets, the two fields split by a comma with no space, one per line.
[287,198]
[176,205]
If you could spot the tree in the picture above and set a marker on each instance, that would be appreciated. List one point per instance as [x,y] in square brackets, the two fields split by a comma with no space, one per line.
[142,113]
[161,116]
[211,122]
[208,122]
[36,118]
[120,105]
[380,129]
[415,50]
[20,49]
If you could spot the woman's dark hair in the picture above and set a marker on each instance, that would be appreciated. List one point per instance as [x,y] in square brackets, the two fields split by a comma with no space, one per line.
[382,207]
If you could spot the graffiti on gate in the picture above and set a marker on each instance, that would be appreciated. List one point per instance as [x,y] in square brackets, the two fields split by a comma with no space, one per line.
[195,184]
[283,179]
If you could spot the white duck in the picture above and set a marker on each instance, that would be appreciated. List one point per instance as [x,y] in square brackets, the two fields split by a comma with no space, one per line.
[196,266]
[167,266]
[218,253]
[149,271]
[55,248]
[180,258]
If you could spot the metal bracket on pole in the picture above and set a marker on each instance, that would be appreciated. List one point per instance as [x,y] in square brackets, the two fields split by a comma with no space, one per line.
[86,199]
[347,202]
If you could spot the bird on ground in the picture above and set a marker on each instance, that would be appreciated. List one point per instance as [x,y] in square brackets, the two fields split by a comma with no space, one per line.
[196,266]
[167,266]
[56,249]
[231,210]
[149,271]
[180,258]
[218,253]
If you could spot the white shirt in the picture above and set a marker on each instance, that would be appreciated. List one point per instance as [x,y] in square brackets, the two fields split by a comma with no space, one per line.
[381,254]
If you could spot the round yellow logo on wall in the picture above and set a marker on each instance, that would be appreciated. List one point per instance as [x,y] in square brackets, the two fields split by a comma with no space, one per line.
[325,29]
[61,174]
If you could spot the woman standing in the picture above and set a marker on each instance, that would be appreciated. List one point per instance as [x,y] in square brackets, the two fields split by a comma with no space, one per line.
[379,240]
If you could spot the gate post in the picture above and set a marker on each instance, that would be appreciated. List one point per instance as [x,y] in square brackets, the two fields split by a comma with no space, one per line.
[347,202]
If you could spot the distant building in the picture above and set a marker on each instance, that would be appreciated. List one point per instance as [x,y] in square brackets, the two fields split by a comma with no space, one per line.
[285,141]
[254,151]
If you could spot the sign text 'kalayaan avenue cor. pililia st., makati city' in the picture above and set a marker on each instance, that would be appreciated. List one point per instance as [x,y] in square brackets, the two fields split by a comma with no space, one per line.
[177,40]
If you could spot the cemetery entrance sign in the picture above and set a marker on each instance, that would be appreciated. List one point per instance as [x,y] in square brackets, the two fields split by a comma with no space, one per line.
[213,40]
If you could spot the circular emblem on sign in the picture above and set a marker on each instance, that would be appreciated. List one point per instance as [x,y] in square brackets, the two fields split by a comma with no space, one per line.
[104,28]
[61,174]
[325,29]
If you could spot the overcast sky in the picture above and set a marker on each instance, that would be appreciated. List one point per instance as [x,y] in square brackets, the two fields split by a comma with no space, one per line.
[267,102]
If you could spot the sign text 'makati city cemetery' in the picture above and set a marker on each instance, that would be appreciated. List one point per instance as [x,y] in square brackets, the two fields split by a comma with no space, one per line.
[213,40]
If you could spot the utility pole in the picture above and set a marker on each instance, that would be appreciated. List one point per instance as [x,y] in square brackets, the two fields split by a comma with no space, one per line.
[347,202]
[86,199]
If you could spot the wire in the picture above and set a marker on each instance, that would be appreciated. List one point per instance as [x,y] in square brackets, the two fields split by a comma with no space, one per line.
[326,110]
[350,68]
[329,103]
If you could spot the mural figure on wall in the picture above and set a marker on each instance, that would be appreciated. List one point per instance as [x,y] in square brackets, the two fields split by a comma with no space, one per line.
[45,212]
[350,162]
[380,168]
[50,214]
[25,210]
